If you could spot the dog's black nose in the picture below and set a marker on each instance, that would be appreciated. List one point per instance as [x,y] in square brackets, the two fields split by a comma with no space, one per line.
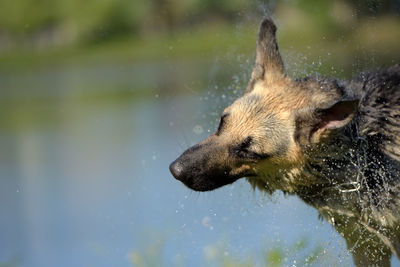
[176,169]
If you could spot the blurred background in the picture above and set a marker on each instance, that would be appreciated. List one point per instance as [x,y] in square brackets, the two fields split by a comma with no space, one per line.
[97,97]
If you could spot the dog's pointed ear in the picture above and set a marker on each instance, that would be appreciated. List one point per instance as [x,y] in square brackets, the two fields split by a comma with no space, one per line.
[269,64]
[313,125]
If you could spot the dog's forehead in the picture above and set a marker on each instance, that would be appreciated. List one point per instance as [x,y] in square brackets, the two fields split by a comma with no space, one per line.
[248,105]
[251,114]
[263,103]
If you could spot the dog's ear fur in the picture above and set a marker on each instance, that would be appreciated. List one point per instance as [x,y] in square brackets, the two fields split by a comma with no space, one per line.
[312,125]
[269,64]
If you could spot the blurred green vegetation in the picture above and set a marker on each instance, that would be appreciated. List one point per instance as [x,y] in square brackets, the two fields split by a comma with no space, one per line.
[299,253]
[52,30]
[96,20]
[59,21]
[173,46]
[168,46]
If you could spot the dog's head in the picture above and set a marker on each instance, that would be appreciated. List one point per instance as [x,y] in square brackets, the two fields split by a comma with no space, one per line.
[265,132]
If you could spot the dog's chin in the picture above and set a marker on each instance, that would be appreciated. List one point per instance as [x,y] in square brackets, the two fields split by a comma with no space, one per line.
[202,185]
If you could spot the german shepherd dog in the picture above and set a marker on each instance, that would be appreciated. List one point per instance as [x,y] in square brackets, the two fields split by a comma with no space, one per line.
[335,144]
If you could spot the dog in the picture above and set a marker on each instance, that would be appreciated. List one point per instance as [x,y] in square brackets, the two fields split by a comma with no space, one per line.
[335,144]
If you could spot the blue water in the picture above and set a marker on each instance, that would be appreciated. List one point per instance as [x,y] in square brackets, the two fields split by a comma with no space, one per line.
[86,183]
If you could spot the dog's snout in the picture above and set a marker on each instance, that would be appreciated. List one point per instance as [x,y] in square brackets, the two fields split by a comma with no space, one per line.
[176,169]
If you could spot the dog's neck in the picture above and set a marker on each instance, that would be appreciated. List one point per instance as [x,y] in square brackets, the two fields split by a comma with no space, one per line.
[344,165]
[350,175]
[335,163]
[339,161]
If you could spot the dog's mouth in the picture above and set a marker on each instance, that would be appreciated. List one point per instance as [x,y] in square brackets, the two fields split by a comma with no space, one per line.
[211,183]
[199,180]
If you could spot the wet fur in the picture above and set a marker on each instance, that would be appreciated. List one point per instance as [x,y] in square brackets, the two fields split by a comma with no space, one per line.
[333,143]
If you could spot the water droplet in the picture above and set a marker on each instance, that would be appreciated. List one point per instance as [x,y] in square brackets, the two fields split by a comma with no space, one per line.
[206,221]
[198,129]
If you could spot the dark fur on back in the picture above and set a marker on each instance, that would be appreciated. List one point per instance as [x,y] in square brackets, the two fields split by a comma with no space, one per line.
[379,111]
[364,207]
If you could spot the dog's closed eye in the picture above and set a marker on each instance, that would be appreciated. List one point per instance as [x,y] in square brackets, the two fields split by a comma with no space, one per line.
[242,150]
[244,146]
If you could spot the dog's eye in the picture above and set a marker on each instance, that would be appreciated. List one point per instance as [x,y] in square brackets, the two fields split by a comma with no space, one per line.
[245,144]
[243,150]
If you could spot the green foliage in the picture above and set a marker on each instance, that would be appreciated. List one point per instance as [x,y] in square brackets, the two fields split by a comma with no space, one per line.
[275,257]
[78,20]
[101,19]
[71,21]
[300,253]
[27,16]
